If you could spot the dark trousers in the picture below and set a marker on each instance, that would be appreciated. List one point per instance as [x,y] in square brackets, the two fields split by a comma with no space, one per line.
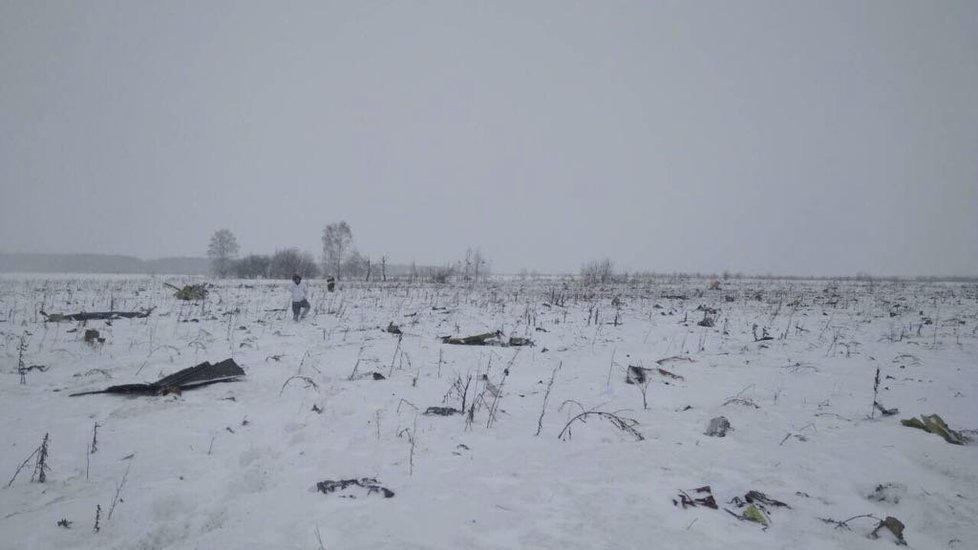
[302,306]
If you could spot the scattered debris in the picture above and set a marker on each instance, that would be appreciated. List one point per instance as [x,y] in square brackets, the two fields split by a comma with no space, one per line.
[718,427]
[96,315]
[367,483]
[189,292]
[755,505]
[441,411]
[186,379]
[890,492]
[895,526]
[705,498]
[935,424]
[639,375]
[758,498]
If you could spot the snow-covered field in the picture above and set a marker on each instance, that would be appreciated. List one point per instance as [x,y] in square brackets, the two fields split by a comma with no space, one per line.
[236,465]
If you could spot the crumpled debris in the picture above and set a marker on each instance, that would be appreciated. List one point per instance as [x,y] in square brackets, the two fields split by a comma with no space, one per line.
[189,292]
[718,427]
[935,424]
[639,375]
[755,505]
[487,339]
[441,411]
[368,486]
[757,497]
[895,526]
[704,498]
[753,513]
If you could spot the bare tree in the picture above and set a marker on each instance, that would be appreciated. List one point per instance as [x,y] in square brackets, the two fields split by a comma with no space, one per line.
[355,265]
[337,239]
[252,266]
[595,271]
[222,250]
[292,261]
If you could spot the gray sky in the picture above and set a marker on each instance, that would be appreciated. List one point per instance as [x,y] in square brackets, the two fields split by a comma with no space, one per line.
[824,137]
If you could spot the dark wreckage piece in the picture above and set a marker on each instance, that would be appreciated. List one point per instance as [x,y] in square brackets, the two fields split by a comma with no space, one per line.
[96,315]
[180,381]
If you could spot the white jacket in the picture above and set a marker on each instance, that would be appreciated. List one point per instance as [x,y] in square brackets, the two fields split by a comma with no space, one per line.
[299,291]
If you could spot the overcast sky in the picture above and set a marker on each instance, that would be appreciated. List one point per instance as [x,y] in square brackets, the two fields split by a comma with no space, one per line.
[817,137]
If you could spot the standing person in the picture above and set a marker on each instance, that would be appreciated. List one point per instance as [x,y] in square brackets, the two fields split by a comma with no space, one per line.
[299,301]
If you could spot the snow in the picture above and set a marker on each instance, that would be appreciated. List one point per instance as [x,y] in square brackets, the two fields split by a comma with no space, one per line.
[235,465]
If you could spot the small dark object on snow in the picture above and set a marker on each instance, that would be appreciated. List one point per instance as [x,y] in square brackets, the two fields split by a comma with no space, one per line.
[186,379]
[884,411]
[635,375]
[706,498]
[890,492]
[516,341]
[718,427]
[331,283]
[393,329]
[486,339]
[95,315]
[895,526]
[441,411]
[706,322]
[370,376]
[368,483]
[92,337]
[63,522]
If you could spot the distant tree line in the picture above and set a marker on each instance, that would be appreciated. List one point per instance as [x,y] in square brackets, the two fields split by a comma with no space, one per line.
[339,259]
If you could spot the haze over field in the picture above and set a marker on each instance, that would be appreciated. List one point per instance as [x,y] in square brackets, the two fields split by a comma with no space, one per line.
[824,138]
